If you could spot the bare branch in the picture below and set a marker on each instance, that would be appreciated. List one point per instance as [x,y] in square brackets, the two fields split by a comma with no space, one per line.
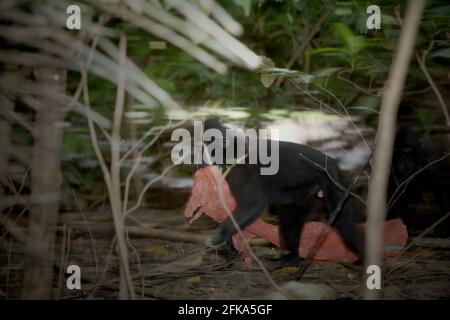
[13,229]
[300,48]
[416,239]
[405,183]
[146,187]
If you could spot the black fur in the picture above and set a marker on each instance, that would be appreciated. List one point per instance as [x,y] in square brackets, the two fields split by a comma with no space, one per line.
[290,191]
[412,153]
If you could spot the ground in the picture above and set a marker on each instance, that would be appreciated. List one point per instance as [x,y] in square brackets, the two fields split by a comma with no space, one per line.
[169,261]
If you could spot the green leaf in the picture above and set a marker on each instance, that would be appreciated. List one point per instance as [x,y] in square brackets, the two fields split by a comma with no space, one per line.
[266,62]
[268,79]
[326,72]
[442,53]
[367,104]
[328,50]
[165,84]
[244,4]
[351,41]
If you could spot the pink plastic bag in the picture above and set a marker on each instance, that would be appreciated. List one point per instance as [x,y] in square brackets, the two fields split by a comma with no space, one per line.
[208,182]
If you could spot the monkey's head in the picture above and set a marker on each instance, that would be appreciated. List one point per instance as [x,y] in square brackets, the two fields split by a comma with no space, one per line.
[231,136]
[214,122]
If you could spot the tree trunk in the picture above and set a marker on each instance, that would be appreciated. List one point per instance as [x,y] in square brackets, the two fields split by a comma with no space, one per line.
[45,187]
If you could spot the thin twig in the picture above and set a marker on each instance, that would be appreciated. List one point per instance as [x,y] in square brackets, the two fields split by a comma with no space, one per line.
[89,231]
[337,184]
[218,179]
[149,133]
[366,91]
[137,162]
[347,114]
[107,177]
[332,109]
[105,268]
[404,184]
[313,250]
[302,46]
[422,64]
[423,234]
[12,228]
[138,258]
[147,186]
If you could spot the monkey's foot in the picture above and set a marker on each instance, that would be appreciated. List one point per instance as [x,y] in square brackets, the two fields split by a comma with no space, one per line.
[290,260]
[225,249]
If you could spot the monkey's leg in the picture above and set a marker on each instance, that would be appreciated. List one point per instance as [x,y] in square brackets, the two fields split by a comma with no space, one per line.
[352,236]
[345,221]
[291,221]
[243,215]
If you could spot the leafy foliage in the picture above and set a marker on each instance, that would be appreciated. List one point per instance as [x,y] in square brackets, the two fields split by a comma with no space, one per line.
[341,60]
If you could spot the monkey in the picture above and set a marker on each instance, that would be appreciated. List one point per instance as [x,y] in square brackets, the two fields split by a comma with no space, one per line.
[303,172]
[412,157]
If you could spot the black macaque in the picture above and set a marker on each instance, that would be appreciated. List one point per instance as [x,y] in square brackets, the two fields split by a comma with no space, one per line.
[414,152]
[290,192]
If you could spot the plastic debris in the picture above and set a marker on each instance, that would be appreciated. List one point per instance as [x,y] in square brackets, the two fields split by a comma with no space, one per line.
[211,194]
